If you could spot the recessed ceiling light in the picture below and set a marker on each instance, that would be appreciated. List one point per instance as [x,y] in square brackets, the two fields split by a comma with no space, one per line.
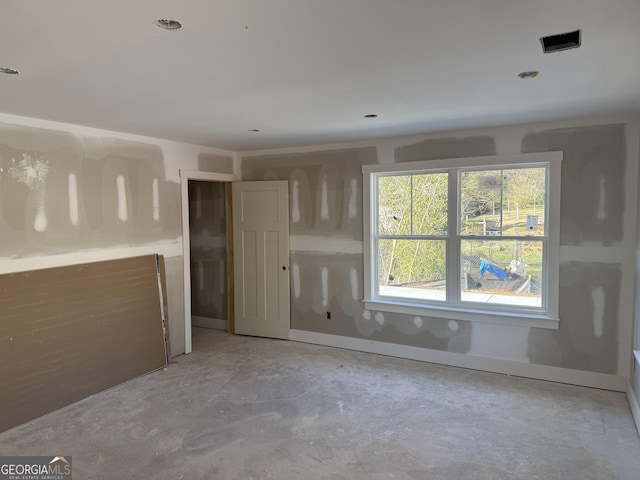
[168,24]
[254,130]
[371,115]
[529,74]
[9,71]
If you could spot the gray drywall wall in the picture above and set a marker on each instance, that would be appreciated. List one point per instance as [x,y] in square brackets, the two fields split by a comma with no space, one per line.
[323,282]
[587,337]
[325,188]
[215,163]
[59,193]
[593,170]
[328,277]
[438,148]
[63,193]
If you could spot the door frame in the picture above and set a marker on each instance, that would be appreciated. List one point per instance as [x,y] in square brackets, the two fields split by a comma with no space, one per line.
[185,176]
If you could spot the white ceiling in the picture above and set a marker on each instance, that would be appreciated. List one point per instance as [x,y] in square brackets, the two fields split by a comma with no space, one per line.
[306,71]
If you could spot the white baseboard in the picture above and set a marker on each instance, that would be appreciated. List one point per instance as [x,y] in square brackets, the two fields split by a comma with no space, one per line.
[509,367]
[207,322]
[635,406]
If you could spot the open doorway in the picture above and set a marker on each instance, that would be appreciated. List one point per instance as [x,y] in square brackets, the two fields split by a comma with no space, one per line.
[208,254]
[208,272]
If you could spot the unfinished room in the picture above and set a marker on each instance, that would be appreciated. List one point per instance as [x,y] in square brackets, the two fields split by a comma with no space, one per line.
[330,239]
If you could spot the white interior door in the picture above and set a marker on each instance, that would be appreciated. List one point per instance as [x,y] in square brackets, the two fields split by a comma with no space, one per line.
[261,258]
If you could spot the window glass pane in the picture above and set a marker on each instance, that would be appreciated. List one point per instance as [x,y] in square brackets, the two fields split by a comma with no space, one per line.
[480,195]
[430,203]
[412,268]
[523,201]
[502,272]
[394,205]
[503,202]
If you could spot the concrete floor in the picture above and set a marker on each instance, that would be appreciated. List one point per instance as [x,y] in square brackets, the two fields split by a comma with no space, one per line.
[249,408]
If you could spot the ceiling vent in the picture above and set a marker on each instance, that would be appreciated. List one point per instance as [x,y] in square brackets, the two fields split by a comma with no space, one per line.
[562,41]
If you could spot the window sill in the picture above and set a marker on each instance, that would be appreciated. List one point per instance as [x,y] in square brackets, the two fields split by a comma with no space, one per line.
[470,315]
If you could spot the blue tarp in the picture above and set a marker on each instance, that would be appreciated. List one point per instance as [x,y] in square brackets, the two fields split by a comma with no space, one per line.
[484,267]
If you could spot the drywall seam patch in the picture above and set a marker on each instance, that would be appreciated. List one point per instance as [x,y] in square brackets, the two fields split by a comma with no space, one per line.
[353,195]
[295,274]
[601,212]
[324,200]
[122,198]
[318,243]
[598,298]
[353,278]
[325,286]
[595,254]
[155,199]
[74,216]
[15,265]
[40,222]
[295,202]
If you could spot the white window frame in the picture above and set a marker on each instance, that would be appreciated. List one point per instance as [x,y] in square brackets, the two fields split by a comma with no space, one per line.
[546,317]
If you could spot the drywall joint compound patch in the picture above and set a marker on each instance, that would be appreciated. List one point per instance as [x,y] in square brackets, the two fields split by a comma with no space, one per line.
[30,170]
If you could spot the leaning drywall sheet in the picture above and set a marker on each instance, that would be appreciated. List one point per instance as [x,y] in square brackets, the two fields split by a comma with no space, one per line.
[69,332]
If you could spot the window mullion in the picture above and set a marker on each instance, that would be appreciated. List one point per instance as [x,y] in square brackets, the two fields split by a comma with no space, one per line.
[453,242]
[411,206]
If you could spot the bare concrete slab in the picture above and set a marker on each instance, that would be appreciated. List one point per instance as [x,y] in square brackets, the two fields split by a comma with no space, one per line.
[249,408]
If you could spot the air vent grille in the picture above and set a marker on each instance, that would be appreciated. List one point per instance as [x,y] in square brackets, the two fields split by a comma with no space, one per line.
[562,41]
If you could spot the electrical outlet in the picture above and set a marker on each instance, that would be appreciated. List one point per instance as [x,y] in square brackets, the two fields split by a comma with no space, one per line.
[328,315]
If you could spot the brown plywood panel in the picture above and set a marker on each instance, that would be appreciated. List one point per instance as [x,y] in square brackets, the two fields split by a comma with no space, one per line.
[69,332]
